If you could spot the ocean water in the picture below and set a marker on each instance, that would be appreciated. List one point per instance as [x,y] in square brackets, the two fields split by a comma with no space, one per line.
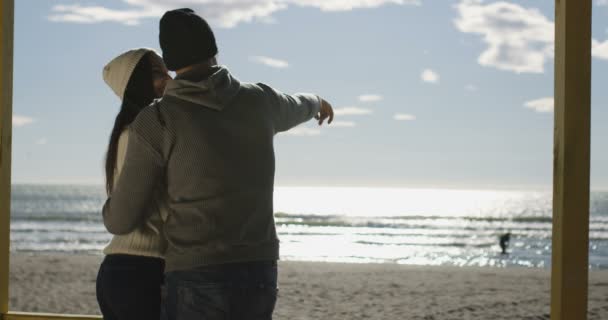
[409,226]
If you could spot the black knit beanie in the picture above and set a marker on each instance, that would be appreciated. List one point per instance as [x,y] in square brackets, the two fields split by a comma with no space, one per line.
[185,39]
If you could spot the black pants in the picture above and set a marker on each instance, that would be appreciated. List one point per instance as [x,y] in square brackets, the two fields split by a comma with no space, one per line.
[129,287]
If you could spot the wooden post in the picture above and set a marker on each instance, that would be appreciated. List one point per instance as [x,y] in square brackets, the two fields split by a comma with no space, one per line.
[6,119]
[570,260]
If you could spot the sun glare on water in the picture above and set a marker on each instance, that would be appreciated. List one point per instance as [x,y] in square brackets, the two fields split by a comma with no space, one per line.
[390,202]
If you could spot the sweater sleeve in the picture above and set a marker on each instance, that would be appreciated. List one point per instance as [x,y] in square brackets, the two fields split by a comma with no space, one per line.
[289,111]
[143,169]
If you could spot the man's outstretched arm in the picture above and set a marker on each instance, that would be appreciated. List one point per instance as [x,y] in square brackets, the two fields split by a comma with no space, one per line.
[289,111]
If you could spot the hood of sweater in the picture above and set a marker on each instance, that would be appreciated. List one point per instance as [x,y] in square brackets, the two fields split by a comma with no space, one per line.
[212,88]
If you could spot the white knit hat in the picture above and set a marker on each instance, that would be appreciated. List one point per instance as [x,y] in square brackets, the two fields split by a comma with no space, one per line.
[117,72]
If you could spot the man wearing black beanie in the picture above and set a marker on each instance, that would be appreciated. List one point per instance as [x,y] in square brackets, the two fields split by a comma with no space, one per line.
[186,39]
[210,142]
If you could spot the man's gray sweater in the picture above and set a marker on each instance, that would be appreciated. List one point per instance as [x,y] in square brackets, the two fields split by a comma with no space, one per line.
[210,141]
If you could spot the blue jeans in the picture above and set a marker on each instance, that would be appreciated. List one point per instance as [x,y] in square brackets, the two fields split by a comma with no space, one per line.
[238,291]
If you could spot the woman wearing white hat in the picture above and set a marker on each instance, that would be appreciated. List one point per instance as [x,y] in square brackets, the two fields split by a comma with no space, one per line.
[131,275]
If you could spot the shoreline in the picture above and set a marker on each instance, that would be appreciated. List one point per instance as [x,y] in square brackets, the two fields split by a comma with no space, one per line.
[98,253]
[65,283]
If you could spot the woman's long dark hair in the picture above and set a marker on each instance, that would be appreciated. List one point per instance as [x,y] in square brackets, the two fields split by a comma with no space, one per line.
[138,94]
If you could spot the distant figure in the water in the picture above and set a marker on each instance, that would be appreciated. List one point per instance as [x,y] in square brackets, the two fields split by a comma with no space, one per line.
[504,242]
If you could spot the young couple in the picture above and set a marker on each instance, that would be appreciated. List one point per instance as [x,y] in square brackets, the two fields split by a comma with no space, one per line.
[190,182]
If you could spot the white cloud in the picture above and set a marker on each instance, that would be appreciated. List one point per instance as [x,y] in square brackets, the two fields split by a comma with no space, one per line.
[303,132]
[542,105]
[343,124]
[96,14]
[270,62]
[41,141]
[352,111]
[347,5]
[471,87]
[519,39]
[429,76]
[404,117]
[602,2]
[370,98]
[600,49]
[20,121]
[221,13]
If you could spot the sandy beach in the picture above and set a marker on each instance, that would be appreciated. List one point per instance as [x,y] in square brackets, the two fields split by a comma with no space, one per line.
[63,283]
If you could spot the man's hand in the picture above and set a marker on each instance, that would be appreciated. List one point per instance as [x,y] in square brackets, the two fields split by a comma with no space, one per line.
[325,112]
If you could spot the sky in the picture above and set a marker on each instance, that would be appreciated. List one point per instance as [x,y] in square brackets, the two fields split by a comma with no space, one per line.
[428,94]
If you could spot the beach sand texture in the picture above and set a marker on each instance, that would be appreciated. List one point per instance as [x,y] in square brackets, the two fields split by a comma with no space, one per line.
[62,283]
